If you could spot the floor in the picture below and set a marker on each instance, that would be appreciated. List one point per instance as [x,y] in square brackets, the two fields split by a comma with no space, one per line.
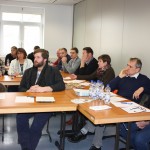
[10,138]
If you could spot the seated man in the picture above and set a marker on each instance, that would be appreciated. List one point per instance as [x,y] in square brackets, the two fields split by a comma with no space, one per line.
[9,57]
[31,55]
[39,78]
[58,58]
[131,85]
[88,62]
[63,53]
[73,64]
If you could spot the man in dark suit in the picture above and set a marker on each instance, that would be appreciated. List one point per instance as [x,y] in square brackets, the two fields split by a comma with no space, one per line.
[40,78]
[88,63]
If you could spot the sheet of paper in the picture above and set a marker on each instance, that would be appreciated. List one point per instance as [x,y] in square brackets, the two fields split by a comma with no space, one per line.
[45,99]
[102,107]
[66,78]
[2,96]
[117,99]
[24,99]
[124,104]
[113,94]
[136,109]
[81,101]
[74,81]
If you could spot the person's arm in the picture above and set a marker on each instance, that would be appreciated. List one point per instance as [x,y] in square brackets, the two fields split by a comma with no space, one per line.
[142,124]
[24,84]
[91,76]
[73,68]
[59,84]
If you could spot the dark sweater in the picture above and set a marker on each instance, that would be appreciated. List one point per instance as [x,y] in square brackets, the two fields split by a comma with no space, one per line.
[87,69]
[31,56]
[9,57]
[108,75]
[50,76]
[127,86]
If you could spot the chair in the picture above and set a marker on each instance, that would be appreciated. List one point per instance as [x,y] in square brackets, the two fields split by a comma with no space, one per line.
[3,89]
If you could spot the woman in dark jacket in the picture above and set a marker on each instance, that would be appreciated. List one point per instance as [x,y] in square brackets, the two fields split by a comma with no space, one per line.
[104,73]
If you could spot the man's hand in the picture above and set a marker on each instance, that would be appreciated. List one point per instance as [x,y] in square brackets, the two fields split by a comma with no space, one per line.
[37,88]
[73,76]
[123,73]
[142,124]
[137,93]
[64,59]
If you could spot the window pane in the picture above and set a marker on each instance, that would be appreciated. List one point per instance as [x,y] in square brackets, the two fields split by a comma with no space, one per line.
[31,18]
[11,16]
[10,37]
[31,37]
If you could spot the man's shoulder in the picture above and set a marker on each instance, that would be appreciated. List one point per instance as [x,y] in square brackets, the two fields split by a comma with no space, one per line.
[142,76]
[8,55]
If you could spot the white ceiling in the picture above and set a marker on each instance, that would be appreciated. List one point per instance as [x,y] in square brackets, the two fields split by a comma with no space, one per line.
[56,2]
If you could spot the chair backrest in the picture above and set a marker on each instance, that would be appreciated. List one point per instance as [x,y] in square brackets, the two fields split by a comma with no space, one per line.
[145,100]
[2,88]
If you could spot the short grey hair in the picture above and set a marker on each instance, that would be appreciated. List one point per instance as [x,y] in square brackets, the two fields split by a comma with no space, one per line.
[138,62]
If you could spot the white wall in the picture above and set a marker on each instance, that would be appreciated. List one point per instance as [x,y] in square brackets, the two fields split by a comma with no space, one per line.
[120,28]
[58,25]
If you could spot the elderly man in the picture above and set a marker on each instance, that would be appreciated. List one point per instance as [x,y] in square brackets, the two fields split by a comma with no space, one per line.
[63,53]
[73,64]
[58,58]
[39,78]
[88,63]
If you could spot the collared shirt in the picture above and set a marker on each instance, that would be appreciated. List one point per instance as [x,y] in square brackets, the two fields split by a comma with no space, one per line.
[87,62]
[135,75]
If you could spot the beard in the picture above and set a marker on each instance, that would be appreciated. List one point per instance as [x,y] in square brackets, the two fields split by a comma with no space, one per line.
[40,64]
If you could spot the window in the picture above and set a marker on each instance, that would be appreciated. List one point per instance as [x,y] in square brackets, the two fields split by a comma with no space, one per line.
[21,27]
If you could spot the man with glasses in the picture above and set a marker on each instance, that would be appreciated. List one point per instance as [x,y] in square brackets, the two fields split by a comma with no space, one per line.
[73,64]
[131,84]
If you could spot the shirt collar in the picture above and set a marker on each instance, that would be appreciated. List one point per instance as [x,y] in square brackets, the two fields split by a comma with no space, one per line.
[87,62]
[135,75]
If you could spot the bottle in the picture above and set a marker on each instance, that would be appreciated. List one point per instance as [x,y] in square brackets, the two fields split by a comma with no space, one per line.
[107,94]
[91,89]
[7,64]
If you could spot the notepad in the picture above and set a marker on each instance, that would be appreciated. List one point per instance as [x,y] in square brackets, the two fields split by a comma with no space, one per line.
[45,99]
[24,99]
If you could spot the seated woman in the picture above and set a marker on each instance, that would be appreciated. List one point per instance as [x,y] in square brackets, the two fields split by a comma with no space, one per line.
[18,66]
[104,73]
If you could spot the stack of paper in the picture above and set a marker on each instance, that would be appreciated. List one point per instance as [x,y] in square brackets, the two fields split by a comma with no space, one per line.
[81,92]
[24,99]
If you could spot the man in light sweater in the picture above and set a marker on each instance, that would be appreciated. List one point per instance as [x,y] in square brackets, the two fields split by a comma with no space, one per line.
[73,64]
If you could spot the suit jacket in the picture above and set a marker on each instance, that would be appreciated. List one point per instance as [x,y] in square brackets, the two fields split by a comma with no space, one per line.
[50,76]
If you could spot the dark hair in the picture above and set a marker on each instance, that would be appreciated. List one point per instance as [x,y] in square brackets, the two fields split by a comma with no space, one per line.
[22,50]
[75,49]
[105,58]
[64,49]
[14,47]
[88,50]
[45,53]
[36,47]
[138,62]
